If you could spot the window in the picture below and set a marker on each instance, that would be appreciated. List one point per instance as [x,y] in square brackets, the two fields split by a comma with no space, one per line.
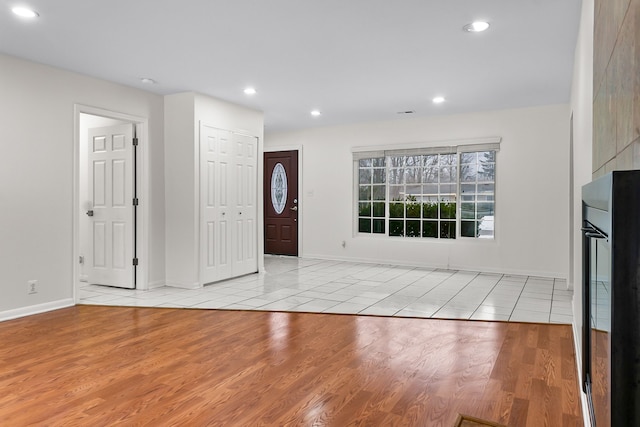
[442,195]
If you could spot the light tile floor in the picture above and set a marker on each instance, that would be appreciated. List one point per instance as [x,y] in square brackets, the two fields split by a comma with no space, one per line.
[310,285]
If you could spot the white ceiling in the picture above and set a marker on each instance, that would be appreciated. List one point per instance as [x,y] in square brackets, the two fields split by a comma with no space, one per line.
[355,60]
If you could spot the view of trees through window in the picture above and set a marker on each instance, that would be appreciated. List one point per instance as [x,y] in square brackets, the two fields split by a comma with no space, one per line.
[428,195]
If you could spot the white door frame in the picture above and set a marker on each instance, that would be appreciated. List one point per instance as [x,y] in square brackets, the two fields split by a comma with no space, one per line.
[301,197]
[142,176]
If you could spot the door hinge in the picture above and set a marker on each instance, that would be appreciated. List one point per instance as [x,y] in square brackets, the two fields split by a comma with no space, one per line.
[135,202]
[135,141]
[81,260]
[135,261]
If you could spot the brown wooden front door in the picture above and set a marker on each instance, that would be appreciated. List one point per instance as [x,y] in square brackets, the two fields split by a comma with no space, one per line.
[281,203]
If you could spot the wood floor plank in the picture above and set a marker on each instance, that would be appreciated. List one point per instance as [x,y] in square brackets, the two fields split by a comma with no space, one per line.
[91,365]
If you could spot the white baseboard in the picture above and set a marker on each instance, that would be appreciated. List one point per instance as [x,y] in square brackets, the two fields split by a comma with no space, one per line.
[547,274]
[195,285]
[156,284]
[36,309]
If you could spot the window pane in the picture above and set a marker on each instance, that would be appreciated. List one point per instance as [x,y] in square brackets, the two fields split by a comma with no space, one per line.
[448,159]
[413,175]
[413,210]
[468,211]
[431,160]
[430,210]
[487,172]
[396,192]
[365,192]
[413,161]
[430,189]
[448,188]
[379,176]
[414,192]
[468,228]
[467,188]
[468,173]
[485,209]
[396,176]
[447,230]
[364,225]
[378,192]
[485,228]
[396,210]
[378,226]
[365,176]
[378,210]
[448,210]
[379,162]
[487,156]
[413,228]
[430,174]
[396,228]
[397,161]
[468,197]
[429,228]
[363,163]
[449,174]
[468,158]
[364,209]
[486,188]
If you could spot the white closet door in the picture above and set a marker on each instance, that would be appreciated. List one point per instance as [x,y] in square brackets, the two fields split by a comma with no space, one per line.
[216,193]
[244,244]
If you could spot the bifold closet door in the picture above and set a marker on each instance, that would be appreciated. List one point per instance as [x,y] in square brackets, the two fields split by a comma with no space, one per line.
[244,242]
[228,181]
[216,190]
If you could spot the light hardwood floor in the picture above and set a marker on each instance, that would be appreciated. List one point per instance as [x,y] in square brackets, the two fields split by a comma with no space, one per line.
[95,365]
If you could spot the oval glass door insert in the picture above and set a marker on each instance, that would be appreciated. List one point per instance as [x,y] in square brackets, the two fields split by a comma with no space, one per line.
[278,188]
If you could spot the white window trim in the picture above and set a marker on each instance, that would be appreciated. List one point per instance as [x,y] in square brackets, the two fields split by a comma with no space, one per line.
[408,149]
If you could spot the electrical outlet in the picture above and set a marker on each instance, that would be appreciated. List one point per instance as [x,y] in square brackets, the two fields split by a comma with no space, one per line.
[32,287]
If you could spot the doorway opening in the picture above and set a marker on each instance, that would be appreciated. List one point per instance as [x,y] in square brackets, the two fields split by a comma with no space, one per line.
[109,199]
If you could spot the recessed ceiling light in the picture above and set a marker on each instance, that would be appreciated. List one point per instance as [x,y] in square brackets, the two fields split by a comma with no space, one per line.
[476,27]
[25,12]
[315,113]
[147,81]
[250,91]
[438,100]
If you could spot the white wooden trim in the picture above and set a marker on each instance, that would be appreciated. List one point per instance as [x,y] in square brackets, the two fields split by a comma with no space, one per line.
[36,309]
[428,144]
[142,228]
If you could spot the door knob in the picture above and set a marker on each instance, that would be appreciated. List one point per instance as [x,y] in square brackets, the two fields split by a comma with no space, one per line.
[90,213]
[295,208]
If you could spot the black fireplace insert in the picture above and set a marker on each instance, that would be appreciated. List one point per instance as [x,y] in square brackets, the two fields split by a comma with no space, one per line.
[611,298]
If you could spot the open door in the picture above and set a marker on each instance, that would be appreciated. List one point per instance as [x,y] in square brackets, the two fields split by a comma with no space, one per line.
[110,258]
[281,203]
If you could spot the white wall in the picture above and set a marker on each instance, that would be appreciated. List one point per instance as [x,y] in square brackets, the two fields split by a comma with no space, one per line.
[582,107]
[183,114]
[36,178]
[531,200]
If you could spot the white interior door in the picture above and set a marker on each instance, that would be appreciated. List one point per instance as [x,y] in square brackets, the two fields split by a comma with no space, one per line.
[245,241]
[110,254]
[216,180]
